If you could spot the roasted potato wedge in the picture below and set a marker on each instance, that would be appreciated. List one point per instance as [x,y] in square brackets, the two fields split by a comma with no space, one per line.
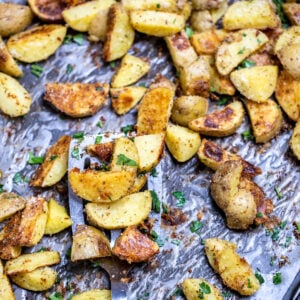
[235,272]
[295,140]
[38,280]
[15,101]
[98,27]
[164,5]
[206,4]
[139,182]
[93,295]
[77,99]
[124,99]
[48,11]
[256,83]
[288,37]
[157,23]
[120,34]
[89,243]
[292,11]
[182,142]
[10,203]
[130,210]
[79,17]
[134,247]
[37,43]
[222,122]
[132,68]
[150,149]
[6,292]
[55,164]
[97,186]
[266,119]
[14,18]
[219,12]
[237,47]
[57,219]
[201,20]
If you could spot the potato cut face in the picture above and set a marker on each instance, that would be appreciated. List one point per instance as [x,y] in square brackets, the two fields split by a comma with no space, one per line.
[138,184]
[156,23]
[15,101]
[96,186]
[93,294]
[222,122]
[130,210]
[292,11]
[10,203]
[164,5]
[288,37]
[37,43]
[131,70]
[256,83]
[295,140]
[6,292]
[218,12]
[77,99]
[48,11]
[98,26]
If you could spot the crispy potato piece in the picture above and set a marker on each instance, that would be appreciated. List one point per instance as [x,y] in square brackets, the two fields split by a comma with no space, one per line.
[150,149]
[163,5]
[58,219]
[40,279]
[256,83]
[181,51]
[77,99]
[201,21]
[98,27]
[288,37]
[157,23]
[134,247]
[15,101]
[103,150]
[124,99]
[97,186]
[37,43]
[219,12]
[130,210]
[182,142]
[29,262]
[292,11]
[120,34]
[206,4]
[6,292]
[48,11]
[162,82]
[266,119]
[237,47]
[295,140]
[138,184]
[222,122]
[235,272]
[93,295]
[10,203]
[192,287]
[89,243]
[14,18]
[55,164]
[132,68]
[80,17]
[288,95]
[262,14]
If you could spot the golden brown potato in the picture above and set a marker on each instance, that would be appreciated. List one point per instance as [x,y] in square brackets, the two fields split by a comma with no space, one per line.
[292,11]
[98,26]
[77,99]
[103,150]
[89,243]
[93,295]
[14,18]
[55,164]
[134,247]
[10,203]
[164,5]
[235,272]
[206,4]
[201,21]
[6,292]
[138,184]
[48,11]
[295,140]
[222,122]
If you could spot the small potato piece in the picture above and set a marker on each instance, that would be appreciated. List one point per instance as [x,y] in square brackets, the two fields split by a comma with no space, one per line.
[89,243]
[98,26]
[219,12]
[292,11]
[206,4]
[150,149]
[55,164]
[15,101]
[10,203]
[237,47]
[124,99]
[156,23]
[120,34]
[93,295]
[288,37]
[14,18]
[57,219]
[6,292]
[130,210]
[103,150]
[77,99]
[48,11]
[134,247]
[295,140]
[266,119]
[29,262]
[37,43]
[139,182]
[97,186]
[262,15]
[40,279]
[162,5]
[235,272]
[256,83]
[188,108]
[132,68]
[222,122]
[192,287]
[201,21]
[182,142]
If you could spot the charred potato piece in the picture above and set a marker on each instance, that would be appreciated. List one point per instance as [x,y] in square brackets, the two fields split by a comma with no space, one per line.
[292,11]
[93,295]
[206,4]
[202,21]
[6,292]
[134,247]
[295,140]
[235,272]
[10,203]
[48,11]
[164,5]
[98,26]
[77,99]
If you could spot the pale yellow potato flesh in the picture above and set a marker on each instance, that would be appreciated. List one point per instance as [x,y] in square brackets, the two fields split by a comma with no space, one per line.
[162,5]
[219,12]
[93,295]
[10,203]
[288,37]
[6,292]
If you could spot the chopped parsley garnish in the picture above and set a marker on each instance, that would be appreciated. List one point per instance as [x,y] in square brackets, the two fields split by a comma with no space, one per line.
[242,50]
[75,153]
[288,241]
[259,277]
[268,232]
[226,294]
[100,124]
[165,208]
[56,296]
[78,135]
[223,100]
[196,225]
[155,237]
[68,253]
[259,215]
[98,139]
[246,64]
[298,227]
[128,128]
[249,283]
[280,13]
[247,135]
[278,194]
[153,172]
[78,39]
[112,64]
[53,157]
[42,249]
[70,68]
[155,202]
[18,178]
[1,188]
[175,242]
[277,279]
[68,39]
[99,88]
[36,70]
[275,234]
[282,224]
[189,31]
[35,160]
[258,41]
[203,289]
[158,5]
[272,260]
[178,292]
[123,160]
[180,198]
[142,84]
[244,34]
[96,264]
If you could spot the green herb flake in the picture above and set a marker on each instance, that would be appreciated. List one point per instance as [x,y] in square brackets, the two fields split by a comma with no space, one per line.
[247,135]
[246,64]
[68,253]
[35,160]
[278,194]
[224,100]
[259,277]
[178,292]
[258,41]
[37,70]
[298,227]
[56,296]
[158,5]
[226,294]
[42,249]
[78,135]
[155,237]
[98,139]
[259,215]
[1,189]
[196,225]
[99,88]
[155,202]
[203,289]
[69,69]
[180,198]
[100,124]
[282,224]
[165,208]
[275,234]
[112,64]
[53,157]
[242,50]
[272,260]
[75,153]
[18,178]
[123,160]
[288,241]
[96,264]
[268,232]
[175,242]
[249,285]
[244,34]
[67,39]
[153,172]
[142,84]
[128,128]
[277,279]
[78,39]
[189,32]
[280,13]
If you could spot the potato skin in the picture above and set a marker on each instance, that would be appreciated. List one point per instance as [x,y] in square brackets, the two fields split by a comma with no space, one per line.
[290,59]
[295,140]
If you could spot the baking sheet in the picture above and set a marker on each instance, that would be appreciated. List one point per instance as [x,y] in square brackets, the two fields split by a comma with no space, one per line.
[159,278]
